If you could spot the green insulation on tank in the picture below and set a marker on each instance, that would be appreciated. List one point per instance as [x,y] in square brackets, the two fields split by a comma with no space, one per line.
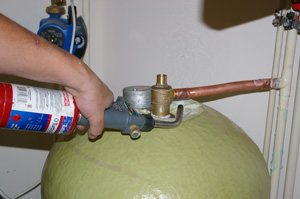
[208,157]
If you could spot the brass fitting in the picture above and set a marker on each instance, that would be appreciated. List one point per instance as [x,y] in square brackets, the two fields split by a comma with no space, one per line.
[161,96]
[57,7]
[135,132]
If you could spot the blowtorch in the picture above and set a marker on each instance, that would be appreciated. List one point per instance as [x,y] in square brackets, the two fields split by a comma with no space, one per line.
[55,111]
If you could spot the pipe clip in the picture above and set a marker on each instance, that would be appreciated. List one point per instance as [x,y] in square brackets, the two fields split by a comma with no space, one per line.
[278,83]
[289,21]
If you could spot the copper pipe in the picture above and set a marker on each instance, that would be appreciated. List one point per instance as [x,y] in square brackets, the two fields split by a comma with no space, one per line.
[250,85]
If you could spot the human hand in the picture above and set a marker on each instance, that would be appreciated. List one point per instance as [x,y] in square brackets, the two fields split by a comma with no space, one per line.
[92,98]
[45,62]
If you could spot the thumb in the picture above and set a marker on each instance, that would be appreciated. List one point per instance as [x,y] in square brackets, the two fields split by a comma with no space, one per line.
[96,128]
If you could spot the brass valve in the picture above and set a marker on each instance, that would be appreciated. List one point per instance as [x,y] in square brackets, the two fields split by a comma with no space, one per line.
[161,96]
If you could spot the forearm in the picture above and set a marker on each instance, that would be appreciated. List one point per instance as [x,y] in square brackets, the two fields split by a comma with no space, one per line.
[25,54]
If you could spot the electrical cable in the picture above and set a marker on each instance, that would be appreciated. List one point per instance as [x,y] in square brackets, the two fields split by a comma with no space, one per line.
[37,184]
[74,26]
[26,191]
[3,195]
[31,188]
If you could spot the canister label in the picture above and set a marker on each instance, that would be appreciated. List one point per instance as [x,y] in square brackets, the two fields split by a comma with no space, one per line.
[40,109]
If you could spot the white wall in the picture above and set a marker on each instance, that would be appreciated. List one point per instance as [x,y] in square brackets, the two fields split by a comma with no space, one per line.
[194,42]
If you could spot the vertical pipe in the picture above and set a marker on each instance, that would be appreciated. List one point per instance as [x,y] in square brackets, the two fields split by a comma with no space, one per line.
[86,17]
[293,146]
[284,96]
[272,94]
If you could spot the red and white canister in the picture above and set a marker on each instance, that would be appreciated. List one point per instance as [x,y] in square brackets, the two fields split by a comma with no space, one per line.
[37,109]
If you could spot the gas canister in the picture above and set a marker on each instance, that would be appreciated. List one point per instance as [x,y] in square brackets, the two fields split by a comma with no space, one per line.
[37,109]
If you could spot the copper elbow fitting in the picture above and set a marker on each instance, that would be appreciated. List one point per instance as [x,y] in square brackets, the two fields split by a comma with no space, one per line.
[161,96]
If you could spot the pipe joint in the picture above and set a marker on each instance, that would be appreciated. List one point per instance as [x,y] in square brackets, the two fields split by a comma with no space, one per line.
[278,83]
[57,7]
